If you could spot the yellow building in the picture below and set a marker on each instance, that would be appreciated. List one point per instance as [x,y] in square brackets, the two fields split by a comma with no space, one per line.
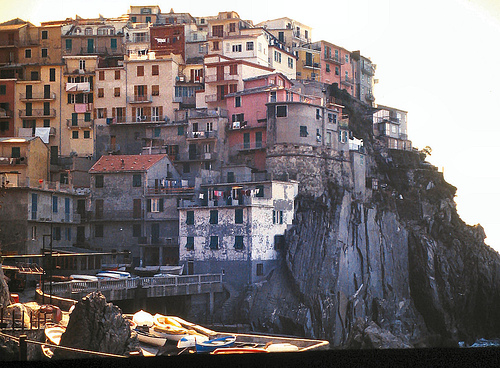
[308,63]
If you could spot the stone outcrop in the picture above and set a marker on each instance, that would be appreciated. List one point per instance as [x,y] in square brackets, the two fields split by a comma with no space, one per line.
[395,268]
[95,325]
[4,290]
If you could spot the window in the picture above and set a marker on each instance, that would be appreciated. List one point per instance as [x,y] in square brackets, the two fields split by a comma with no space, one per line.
[69,44]
[347,59]
[210,126]
[45,35]
[328,68]
[277,217]
[155,90]
[54,204]
[238,216]
[68,233]
[33,232]
[232,27]
[233,88]
[27,53]
[52,74]
[277,56]
[279,242]
[238,242]
[214,242]
[281,111]
[343,136]
[303,131]
[74,134]
[238,117]
[136,230]
[250,46]
[260,269]
[56,234]
[86,134]
[189,217]
[117,92]
[101,75]
[290,63]
[260,192]
[329,138]
[156,205]
[100,92]
[346,75]
[140,71]
[318,114]
[117,74]
[190,243]
[214,217]
[215,46]
[3,89]
[336,70]
[133,19]
[186,168]
[180,130]
[155,70]
[44,53]
[113,44]
[99,181]
[137,180]
[46,123]
[272,96]
[99,231]
[82,64]
[237,101]
[237,48]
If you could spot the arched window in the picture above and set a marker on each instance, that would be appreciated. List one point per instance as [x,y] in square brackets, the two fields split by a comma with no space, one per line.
[88,31]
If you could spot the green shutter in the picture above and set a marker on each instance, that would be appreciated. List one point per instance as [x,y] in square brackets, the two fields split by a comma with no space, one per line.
[149,205]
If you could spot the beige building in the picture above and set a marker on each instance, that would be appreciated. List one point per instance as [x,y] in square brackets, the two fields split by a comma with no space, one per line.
[291,32]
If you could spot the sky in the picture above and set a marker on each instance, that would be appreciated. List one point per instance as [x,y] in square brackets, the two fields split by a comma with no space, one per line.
[438,60]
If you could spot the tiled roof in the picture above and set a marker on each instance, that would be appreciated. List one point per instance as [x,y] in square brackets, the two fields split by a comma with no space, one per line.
[125,163]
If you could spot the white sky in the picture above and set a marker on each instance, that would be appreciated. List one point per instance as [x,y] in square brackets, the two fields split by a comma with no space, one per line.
[438,60]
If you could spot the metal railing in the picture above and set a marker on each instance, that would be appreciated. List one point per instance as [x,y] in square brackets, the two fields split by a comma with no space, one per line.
[6,114]
[248,146]
[347,80]
[79,123]
[149,240]
[311,65]
[335,59]
[140,99]
[201,135]
[50,113]
[220,78]
[38,96]
[211,98]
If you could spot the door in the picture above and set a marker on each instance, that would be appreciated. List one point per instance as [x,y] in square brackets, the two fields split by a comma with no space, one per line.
[90,46]
[66,209]
[192,151]
[220,73]
[54,153]
[80,207]
[155,233]
[258,139]
[29,92]
[137,208]
[46,108]
[80,234]
[74,119]
[246,140]
[46,91]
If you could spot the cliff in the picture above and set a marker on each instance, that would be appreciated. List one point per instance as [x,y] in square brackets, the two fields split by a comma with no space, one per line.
[394,268]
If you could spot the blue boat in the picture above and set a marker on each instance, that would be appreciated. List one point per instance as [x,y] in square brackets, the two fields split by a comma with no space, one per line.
[211,345]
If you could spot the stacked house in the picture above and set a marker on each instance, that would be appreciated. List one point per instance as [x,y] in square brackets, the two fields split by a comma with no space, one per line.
[153,133]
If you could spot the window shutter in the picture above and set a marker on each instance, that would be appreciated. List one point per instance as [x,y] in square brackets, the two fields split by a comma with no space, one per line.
[274,216]
[149,205]
[133,113]
[105,113]
[160,112]
[161,205]
[69,98]
[113,111]
[95,113]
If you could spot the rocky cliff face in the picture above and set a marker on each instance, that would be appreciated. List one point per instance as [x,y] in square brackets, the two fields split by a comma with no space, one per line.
[397,268]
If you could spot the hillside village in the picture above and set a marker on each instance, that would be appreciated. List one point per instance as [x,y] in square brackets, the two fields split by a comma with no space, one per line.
[170,136]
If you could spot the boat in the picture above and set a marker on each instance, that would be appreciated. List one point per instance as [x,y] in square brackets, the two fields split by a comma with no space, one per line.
[54,333]
[143,318]
[210,345]
[148,271]
[83,278]
[238,350]
[169,328]
[163,321]
[122,274]
[281,348]
[109,275]
[144,335]
[189,341]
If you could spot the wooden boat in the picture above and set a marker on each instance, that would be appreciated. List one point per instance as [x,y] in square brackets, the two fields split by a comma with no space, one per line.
[164,321]
[172,336]
[54,333]
[149,271]
[143,318]
[281,348]
[146,337]
[210,345]
[238,350]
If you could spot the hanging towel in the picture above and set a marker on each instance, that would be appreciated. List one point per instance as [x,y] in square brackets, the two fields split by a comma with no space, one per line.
[80,108]
[43,133]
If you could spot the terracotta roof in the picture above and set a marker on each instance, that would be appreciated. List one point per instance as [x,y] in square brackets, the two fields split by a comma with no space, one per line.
[125,163]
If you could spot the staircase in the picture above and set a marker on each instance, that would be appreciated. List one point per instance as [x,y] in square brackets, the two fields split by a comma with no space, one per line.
[229,304]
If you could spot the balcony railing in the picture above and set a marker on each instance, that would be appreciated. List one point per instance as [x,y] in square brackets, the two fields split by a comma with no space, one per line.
[6,114]
[347,81]
[13,160]
[9,43]
[201,135]
[311,65]
[370,97]
[150,240]
[95,51]
[79,123]
[211,98]
[368,69]
[206,156]
[207,113]
[50,113]
[143,119]
[37,96]
[140,99]
[220,78]
[68,71]
[334,59]
[249,146]
[167,190]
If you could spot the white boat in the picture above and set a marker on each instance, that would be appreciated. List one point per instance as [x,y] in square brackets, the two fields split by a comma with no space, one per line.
[109,275]
[172,270]
[54,333]
[122,274]
[152,270]
[149,338]
[143,318]
[84,278]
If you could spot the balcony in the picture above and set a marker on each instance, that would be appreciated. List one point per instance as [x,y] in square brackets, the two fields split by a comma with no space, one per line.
[144,119]
[207,113]
[311,65]
[118,215]
[9,43]
[78,87]
[49,113]
[335,59]
[347,81]
[201,135]
[211,98]
[38,96]
[68,71]
[95,51]
[13,161]
[165,241]
[6,114]
[140,99]
[208,156]
[248,146]
[370,97]
[164,190]
[211,78]
[368,69]
[79,123]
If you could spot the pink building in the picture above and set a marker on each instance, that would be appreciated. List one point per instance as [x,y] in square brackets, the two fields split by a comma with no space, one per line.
[247,113]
